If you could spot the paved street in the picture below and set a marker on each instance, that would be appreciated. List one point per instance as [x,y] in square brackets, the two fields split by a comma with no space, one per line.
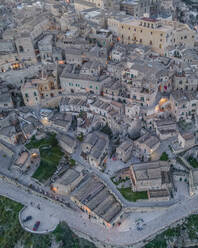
[80,222]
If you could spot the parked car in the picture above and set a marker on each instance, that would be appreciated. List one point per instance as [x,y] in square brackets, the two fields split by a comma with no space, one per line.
[27,218]
[36,226]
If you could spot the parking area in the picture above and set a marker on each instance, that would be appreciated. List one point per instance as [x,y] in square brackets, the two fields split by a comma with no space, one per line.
[139,220]
[37,213]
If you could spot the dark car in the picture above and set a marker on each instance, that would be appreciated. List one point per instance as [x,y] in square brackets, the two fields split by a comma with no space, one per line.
[27,218]
[36,226]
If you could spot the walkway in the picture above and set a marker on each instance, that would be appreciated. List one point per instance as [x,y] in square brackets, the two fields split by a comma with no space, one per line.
[79,222]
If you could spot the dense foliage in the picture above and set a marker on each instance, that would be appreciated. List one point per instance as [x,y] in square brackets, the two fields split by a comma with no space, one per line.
[190,226]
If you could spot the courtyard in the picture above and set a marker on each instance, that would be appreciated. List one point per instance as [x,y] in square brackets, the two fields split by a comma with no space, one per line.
[50,153]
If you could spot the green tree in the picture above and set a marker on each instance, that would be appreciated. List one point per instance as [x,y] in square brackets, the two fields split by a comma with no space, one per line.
[164,157]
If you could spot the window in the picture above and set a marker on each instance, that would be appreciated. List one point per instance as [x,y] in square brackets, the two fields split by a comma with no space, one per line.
[122,27]
[151,33]
[129,38]
[129,28]
[160,46]
[135,29]
[35,93]
[26,95]
[96,87]
[142,98]
[21,50]
[90,86]
[151,42]
[161,35]
[141,31]
[140,40]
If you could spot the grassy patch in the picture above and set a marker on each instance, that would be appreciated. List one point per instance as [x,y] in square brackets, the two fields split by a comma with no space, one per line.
[193,162]
[50,153]
[11,232]
[133,196]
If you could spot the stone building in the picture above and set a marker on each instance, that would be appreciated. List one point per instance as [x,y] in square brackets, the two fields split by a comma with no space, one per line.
[166,128]
[41,90]
[94,198]
[183,104]
[186,140]
[67,182]
[138,8]
[159,34]
[153,177]
[95,148]
[67,143]
[124,151]
[25,49]
[147,144]
[75,79]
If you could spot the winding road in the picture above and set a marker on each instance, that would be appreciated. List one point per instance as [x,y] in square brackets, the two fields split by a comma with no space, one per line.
[81,223]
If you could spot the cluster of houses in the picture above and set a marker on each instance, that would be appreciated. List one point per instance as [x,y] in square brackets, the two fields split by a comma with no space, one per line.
[115,81]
